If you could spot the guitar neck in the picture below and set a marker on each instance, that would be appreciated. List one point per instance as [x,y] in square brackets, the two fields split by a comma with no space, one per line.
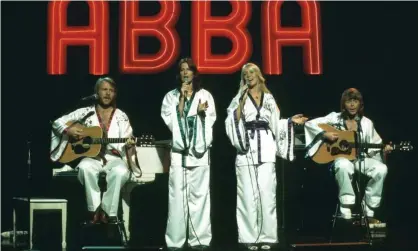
[139,141]
[368,145]
[109,140]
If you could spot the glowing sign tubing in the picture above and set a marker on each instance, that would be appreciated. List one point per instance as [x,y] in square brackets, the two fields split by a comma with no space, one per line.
[233,27]
[276,36]
[95,35]
[160,26]
[204,27]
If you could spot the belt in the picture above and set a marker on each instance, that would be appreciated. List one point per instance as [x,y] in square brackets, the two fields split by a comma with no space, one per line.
[256,125]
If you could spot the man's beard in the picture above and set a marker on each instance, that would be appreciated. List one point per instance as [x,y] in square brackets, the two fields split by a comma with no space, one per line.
[103,105]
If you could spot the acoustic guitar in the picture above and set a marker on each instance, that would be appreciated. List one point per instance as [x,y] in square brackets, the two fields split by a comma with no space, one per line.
[347,146]
[92,141]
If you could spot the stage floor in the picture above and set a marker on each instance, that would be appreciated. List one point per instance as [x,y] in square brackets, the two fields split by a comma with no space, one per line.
[343,238]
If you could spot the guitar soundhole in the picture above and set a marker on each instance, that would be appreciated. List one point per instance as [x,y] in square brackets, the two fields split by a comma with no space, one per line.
[343,148]
[83,147]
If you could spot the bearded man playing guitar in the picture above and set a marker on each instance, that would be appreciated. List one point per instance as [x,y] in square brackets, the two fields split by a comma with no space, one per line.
[351,118]
[115,124]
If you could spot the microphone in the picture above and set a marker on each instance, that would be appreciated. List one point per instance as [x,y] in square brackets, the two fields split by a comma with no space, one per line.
[186,79]
[358,119]
[91,97]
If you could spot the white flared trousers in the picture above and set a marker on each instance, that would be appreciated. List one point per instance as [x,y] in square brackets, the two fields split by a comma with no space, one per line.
[117,175]
[189,202]
[372,168]
[256,203]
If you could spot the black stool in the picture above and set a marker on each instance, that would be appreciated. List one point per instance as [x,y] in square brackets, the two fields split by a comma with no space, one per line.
[104,228]
[359,218]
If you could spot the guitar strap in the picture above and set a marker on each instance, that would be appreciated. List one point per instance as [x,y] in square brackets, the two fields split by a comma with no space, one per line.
[105,131]
[102,152]
[136,162]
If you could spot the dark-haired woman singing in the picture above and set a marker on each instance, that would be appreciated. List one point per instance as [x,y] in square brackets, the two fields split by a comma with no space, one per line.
[189,112]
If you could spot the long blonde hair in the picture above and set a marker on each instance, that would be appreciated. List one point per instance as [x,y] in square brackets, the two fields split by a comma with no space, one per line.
[262,80]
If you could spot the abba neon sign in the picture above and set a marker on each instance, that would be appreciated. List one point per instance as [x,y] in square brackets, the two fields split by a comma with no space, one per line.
[204,27]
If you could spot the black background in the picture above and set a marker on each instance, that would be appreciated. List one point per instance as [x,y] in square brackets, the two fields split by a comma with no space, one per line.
[372,46]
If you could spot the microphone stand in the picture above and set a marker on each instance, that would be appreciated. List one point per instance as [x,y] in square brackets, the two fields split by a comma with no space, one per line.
[361,187]
[29,188]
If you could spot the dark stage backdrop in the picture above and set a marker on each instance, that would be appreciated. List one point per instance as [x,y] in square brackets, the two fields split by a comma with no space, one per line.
[372,46]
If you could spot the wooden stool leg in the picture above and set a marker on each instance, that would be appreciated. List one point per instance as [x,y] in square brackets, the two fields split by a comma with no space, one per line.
[14,227]
[64,225]
[30,225]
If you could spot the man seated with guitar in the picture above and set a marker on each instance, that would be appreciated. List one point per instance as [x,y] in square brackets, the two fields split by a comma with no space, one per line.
[109,160]
[351,118]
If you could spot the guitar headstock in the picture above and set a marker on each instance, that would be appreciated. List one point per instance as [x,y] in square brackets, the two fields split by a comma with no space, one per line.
[403,146]
[145,140]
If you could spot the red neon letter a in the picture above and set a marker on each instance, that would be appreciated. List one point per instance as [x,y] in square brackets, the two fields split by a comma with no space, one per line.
[160,26]
[95,35]
[205,26]
[275,37]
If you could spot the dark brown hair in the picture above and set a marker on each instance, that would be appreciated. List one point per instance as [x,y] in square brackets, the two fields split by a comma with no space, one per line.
[351,93]
[196,76]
